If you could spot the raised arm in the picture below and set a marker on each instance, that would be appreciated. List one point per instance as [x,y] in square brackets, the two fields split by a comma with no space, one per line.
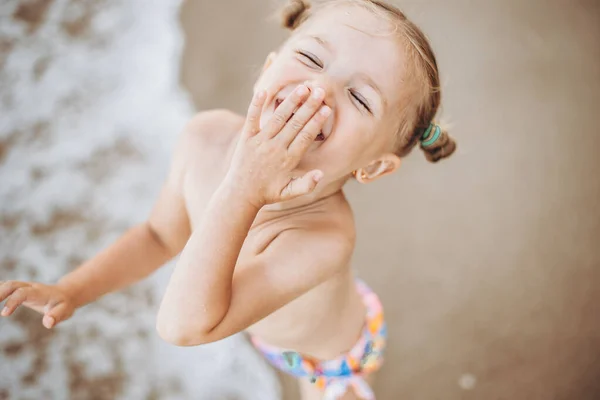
[204,301]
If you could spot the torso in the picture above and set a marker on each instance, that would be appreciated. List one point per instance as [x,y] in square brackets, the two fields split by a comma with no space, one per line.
[326,321]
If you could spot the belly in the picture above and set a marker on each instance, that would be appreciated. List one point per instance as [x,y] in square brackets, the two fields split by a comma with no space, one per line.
[323,323]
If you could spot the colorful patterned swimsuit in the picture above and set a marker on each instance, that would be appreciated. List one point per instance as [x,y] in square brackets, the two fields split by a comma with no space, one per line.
[336,376]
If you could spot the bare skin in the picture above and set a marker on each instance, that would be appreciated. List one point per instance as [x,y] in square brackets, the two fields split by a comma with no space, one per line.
[255,206]
[323,322]
[325,310]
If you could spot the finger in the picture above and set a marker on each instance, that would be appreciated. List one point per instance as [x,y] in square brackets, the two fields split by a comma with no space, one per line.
[48,321]
[8,287]
[307,135]
[252,124]
[285,111]
[303,185]
[17,298]
[56,314]
[302,116]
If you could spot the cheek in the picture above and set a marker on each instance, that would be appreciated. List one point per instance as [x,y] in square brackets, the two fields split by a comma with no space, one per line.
[278,75]
[349,146]
[353,138]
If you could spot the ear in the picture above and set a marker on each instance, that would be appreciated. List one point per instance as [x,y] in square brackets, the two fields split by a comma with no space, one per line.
[383,166]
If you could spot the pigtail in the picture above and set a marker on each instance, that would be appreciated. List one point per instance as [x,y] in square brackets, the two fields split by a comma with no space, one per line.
[436,144]
[443,147]
[294,13]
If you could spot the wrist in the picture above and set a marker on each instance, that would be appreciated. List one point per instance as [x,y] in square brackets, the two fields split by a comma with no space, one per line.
[68,290]
[232,191]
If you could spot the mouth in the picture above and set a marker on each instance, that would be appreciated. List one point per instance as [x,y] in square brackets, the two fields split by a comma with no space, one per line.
[320,137]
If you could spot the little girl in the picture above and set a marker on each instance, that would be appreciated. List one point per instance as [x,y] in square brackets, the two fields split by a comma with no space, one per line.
[256,209]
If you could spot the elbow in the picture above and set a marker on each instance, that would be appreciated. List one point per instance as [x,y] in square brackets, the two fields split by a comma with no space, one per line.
[178,337]
[181,336]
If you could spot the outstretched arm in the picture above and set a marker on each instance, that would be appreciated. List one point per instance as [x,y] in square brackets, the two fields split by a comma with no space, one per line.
[135,255]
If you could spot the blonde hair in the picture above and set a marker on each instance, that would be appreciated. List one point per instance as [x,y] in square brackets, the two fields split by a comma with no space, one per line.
[422,100]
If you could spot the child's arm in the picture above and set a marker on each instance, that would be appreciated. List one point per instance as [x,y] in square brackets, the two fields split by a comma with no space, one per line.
[139,252]
[204,301]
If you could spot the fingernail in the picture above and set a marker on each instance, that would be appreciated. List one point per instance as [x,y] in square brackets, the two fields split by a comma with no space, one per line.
[318,176]
[302,90]
[325,111]
[261,95]
[318,93]
[49,322]
[5,311]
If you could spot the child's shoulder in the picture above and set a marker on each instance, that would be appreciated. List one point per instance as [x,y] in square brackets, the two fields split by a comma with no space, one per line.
[206,137]
[216,127]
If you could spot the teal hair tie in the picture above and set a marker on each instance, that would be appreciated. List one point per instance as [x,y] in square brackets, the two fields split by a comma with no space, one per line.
[427,141]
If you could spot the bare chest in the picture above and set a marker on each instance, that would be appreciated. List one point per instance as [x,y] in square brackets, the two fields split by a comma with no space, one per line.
[311,317]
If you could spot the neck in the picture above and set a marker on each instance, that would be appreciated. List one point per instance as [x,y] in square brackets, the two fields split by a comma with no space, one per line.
[302,202]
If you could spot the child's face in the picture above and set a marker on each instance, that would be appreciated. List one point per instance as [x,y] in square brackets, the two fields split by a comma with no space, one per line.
[347,52]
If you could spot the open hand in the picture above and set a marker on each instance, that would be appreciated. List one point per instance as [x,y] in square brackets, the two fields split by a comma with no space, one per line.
[48,300]
[263,165]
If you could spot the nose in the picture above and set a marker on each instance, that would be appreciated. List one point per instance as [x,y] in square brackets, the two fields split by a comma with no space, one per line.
[327,85]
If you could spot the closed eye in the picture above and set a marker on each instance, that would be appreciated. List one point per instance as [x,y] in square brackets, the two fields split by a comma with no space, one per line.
[361,100]
[309,59]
